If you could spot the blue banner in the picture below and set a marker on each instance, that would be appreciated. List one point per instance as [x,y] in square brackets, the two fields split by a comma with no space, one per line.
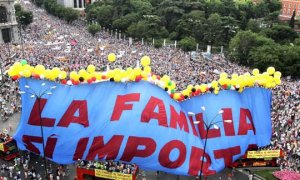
[138,122]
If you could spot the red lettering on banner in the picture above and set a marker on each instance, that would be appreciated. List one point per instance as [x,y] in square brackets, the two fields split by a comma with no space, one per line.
[81,146]
[29,140]
[69,117]
[132,148]
[244,127]
[121,105]
[193,126]
[34,118]
[196,161]
[228,127]
[178,119]
[148,113]
[212,133]
[50,146]
[227,154]
[109,150]
[164,154]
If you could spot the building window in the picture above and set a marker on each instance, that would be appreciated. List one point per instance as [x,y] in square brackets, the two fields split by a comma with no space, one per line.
[3,14]
[80,3]
[6,35]
[75,3]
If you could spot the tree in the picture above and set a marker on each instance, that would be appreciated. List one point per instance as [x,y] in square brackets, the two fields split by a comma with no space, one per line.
[39,3]
[188,43]
[191,24]
[104,15]
[125,21]
[253,25]
[93,29]
[213,28]
[70,15]
[280,33]
[18,7]
[265,56]
[297,42]
[292,21]
[24,17]
[241,45]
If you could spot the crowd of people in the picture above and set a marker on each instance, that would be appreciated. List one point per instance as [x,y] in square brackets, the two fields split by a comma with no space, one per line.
[54,43]
[110,166]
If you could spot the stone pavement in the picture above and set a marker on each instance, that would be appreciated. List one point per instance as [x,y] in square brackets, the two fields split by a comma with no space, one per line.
[37,162]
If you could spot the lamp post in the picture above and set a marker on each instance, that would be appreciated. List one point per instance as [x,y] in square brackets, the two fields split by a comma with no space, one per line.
[208,126]
[38,96]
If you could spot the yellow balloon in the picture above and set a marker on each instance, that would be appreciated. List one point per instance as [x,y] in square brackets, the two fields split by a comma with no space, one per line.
[111,57]
[271,70]
[117,78]
[91,68]
[137,71]
[277,74]
[62,75]
[176,95]
[26,73]
[214,84]
[147,69]
[145,61]
[186,92]
[234,75]
[223,75]
[255,71]
[189,88]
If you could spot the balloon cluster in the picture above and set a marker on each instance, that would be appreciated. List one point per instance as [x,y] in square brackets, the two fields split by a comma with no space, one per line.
[268,79]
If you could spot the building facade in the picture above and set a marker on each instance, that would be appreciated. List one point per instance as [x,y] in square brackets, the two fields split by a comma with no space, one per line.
[76,4]
[288,7]
[9,31]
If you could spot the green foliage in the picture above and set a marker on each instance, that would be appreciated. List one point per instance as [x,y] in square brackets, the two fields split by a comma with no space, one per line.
[188,43]
[24,17]
[18,7]
[39,3]
[283,58]
[104,15]
[93,29]
[241,45]
[253,25]
[280,33]
[68,14]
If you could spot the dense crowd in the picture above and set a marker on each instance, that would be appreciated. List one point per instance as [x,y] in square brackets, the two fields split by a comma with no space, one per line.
[53,43]
[110,166]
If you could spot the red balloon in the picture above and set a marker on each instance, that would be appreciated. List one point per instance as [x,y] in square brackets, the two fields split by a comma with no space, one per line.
[89,81]
[172,96]
[75,82]
[15,77]
[37,76]
[94,78]
[103,77]
[138,78]
[63,81]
